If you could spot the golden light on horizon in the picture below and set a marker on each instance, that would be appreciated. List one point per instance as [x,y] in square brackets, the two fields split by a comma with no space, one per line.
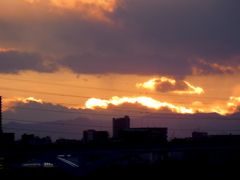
[151,103]
[144,101]
[219,110]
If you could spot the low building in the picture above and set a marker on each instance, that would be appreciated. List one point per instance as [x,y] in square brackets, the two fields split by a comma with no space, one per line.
[93,136]
[144,135]
[199,136]
[26,138]
[30,139]
[8,139]
[63,141]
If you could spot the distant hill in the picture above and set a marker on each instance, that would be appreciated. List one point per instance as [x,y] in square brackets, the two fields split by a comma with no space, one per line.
[70,129]
[179,125]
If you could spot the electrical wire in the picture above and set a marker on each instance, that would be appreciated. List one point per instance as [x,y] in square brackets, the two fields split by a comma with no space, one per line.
[95,88]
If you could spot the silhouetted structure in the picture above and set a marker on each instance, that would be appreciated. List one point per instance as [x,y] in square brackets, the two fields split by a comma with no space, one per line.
[144,135]
[30,139]
[1,131]
[92,136]
[26,138]
[8,139]
[120,124]
[225,138]
[63,141]
[198,136]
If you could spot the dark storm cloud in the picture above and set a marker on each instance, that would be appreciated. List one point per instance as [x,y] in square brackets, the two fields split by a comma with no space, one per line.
[144,37]
[13,61]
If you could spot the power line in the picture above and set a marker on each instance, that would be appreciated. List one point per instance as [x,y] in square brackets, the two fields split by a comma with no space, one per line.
[102,89]
[128,69]
[40,92]
[150,114]
[63,111]
[57,94]
[75,86]
[55,123]
[117,109]
[170,129]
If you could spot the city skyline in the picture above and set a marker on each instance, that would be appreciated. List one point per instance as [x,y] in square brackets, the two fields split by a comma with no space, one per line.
[98,59]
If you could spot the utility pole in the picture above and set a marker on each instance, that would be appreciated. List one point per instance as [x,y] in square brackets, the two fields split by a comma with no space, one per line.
[1,131]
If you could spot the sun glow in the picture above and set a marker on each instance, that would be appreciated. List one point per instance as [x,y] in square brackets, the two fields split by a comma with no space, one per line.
[144,101]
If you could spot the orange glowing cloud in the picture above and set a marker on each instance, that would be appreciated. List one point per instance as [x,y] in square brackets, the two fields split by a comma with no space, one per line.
[7,50]
[210,108]
[164,84]
[9,103]
[27,100]
[106,5]
[234,104]
[150,103]
[95,9]
[144,101]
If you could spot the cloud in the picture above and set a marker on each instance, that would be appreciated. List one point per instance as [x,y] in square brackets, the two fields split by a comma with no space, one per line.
[14,61]
[142,64]
[202,67]
[234,104]
[90,9]
[36,110]
[131,37]
[164,84]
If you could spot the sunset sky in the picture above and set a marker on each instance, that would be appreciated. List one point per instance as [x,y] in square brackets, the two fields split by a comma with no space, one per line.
[118,57]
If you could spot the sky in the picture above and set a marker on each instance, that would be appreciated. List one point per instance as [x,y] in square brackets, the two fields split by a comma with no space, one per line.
[60,59]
